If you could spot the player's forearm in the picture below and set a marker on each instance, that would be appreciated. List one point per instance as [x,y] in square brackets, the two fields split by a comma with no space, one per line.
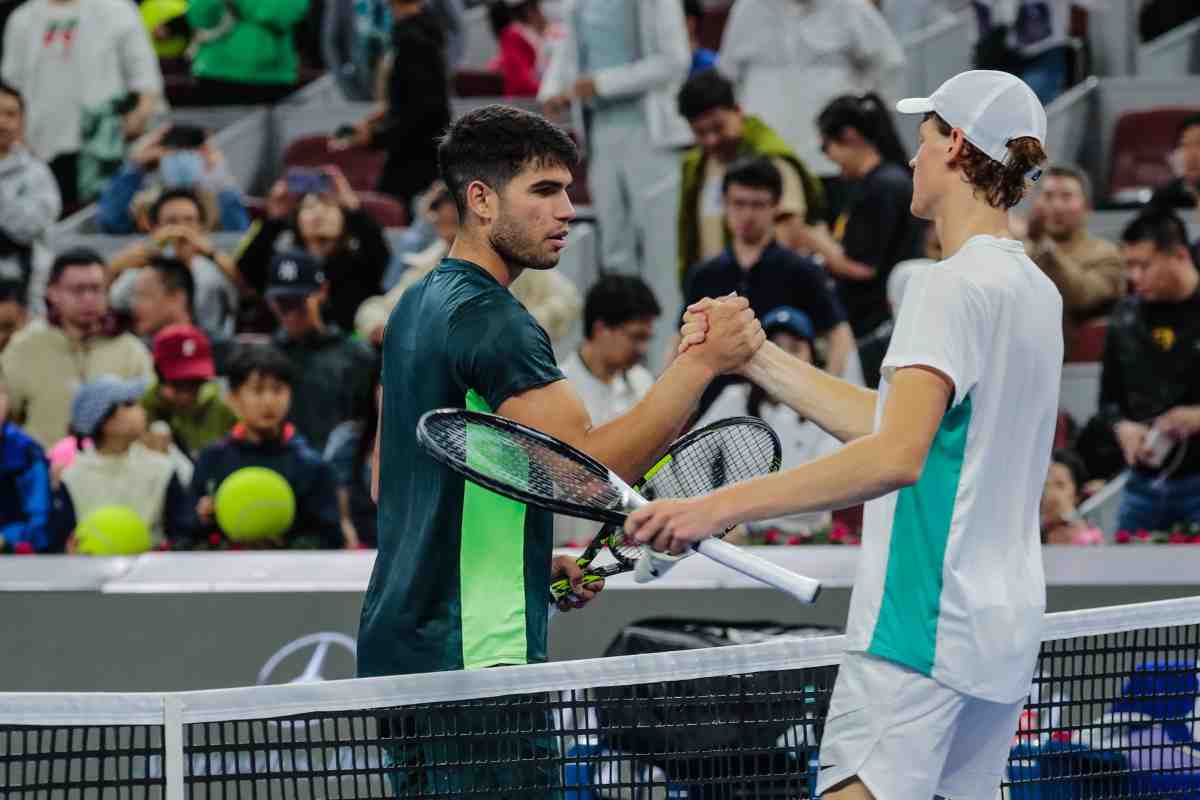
[844,410]
[631,443]
[860,471]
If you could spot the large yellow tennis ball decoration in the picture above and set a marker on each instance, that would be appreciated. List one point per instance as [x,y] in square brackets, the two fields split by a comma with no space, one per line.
[112,531]
[253,504]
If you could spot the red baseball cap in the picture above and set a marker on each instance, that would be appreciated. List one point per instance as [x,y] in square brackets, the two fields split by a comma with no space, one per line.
[183,353]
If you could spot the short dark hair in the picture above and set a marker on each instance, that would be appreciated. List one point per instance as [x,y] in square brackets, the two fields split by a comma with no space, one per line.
[1160,226]
[1073,172]
[12,91]
[1190,121]
[176,277]
[1074,463]
[691,8]
[13,292]
[703,92]
[754,173]
[494,143]
[617,299]
[180,193]
[261,359]
[74,257]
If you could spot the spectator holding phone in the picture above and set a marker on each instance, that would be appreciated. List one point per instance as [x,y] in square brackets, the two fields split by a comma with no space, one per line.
[319,213]
[178,235]
[172,157]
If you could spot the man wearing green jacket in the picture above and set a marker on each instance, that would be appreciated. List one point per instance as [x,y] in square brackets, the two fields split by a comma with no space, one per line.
[243,51]
[723,135]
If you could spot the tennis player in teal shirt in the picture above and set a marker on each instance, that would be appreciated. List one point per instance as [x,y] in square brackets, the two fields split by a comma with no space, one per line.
[461,579]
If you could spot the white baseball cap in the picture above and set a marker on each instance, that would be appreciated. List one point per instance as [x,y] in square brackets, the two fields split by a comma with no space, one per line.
[991,108]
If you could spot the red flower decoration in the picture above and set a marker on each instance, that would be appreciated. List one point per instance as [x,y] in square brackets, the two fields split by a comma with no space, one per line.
[1179,537]
[771,537]
[838,534]
[23,548]
[214,539]
[1143,535]
[795,540]
[1194,539]
[1123,537]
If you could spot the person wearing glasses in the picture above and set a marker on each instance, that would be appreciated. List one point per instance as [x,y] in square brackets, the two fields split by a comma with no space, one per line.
[46,363]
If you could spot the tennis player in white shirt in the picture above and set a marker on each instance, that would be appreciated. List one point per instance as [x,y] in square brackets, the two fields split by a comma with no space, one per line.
[950,455]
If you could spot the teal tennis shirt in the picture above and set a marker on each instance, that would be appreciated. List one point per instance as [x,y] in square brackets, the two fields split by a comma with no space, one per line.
[461,578]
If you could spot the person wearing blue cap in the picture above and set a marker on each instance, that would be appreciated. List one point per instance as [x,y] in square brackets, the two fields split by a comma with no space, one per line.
[950,456]
[118,469]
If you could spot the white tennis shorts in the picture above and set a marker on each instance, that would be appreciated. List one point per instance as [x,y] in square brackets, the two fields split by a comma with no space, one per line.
[908,737]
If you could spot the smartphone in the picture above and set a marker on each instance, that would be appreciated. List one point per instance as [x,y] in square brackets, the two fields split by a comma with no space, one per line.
[185,137]
[304,180]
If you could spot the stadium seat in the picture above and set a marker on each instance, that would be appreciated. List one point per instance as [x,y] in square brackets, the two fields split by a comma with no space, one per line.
[360,165]
[384,209]
[1142,141]
[1086,342]
[478,83]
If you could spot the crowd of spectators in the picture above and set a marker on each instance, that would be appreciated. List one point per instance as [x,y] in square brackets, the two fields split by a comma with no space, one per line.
[147,376]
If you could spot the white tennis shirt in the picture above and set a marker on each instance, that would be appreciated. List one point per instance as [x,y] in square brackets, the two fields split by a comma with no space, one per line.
[950,579]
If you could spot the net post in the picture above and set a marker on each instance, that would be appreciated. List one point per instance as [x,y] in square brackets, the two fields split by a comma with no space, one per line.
[173,747]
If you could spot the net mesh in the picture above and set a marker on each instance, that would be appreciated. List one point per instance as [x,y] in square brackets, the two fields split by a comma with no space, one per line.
[1111,714]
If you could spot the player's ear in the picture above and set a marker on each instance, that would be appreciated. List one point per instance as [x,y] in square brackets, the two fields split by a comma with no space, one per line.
[955,147]
[482,201]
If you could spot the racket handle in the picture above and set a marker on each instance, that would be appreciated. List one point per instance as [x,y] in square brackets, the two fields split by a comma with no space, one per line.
[562,587]
[798,586]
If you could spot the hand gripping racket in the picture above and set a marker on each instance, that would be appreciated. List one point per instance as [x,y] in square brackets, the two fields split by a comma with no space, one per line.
[539,470]
[727,451]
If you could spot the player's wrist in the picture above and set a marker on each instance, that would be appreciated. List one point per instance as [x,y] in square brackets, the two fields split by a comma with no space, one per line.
[695,363]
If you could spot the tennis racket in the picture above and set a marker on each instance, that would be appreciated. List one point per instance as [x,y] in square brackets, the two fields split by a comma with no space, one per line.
[537,469]
[727,451]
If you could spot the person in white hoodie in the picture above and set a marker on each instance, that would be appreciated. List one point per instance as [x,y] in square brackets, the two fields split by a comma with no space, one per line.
[29,204]
[625,59]
[789,58]
[71,59]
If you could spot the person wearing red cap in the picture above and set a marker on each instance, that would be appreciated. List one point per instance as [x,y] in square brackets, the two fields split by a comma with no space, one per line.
[186,396]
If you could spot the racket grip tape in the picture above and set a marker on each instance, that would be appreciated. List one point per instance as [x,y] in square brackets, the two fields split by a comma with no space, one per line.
[798,586]
[562,587]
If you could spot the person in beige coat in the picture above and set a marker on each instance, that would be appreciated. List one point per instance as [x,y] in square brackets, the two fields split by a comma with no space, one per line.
[46,363]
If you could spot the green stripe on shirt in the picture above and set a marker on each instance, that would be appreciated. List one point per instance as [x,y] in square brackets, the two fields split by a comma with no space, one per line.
[906,629]
[491,572]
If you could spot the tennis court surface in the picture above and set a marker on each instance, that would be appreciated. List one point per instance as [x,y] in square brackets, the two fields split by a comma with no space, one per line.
[1114,713]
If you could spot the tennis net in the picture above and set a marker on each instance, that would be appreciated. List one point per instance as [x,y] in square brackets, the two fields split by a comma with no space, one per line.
[1112,713]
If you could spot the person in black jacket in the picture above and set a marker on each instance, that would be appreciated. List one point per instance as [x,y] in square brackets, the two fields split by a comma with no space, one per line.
[418,104]
[331,227]
[874,229]
[260,382]
[1149,395]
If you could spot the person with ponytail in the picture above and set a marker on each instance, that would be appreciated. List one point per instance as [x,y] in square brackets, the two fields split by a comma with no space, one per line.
[950,456]
[874,230]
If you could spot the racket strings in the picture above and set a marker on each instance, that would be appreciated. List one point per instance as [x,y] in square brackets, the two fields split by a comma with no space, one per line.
[722,456]
[525,462]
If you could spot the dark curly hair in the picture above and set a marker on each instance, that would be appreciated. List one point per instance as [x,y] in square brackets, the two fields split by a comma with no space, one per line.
[494,144]
[1002,185]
